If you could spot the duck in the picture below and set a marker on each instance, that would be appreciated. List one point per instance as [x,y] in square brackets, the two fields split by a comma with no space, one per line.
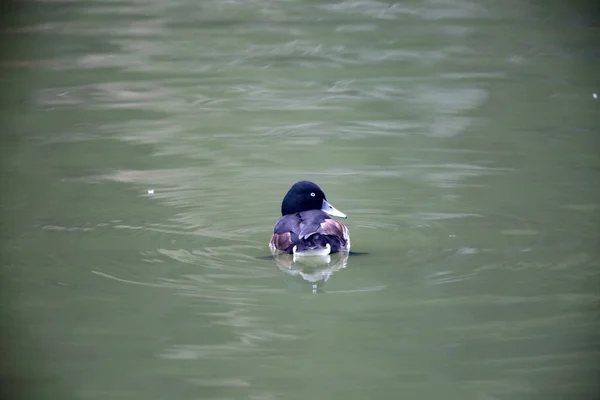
[306,226]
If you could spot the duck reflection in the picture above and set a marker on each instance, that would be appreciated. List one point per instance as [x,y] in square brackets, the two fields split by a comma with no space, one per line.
[315,270]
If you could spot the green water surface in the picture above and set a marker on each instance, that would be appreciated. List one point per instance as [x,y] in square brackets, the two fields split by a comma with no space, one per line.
[460,137]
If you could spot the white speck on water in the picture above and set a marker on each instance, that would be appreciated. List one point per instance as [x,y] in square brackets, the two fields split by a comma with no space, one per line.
[595,95]
[150,191]
[467,250]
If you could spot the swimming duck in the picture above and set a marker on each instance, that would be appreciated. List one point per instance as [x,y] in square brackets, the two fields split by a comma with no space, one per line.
[306,227]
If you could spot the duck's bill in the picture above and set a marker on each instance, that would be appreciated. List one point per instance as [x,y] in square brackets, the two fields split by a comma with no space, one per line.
[331,210]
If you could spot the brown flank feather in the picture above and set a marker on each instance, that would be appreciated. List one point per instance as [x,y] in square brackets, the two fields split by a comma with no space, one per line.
[334,228]
[281,242]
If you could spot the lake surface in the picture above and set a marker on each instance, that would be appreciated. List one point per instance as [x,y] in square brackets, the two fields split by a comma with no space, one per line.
[460,137]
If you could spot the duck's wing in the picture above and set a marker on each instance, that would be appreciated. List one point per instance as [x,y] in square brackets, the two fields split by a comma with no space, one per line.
[311,222]
[302,225]
[316,221]
[285,232]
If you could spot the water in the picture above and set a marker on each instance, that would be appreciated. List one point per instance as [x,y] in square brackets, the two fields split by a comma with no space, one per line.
[460,137]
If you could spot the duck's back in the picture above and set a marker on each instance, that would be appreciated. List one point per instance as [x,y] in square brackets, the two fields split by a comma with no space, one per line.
[309,230]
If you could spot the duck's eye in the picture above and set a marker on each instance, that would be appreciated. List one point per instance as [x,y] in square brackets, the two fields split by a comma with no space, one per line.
[312,194]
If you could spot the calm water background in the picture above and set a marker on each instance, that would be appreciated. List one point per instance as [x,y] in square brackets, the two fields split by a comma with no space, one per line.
[460,137]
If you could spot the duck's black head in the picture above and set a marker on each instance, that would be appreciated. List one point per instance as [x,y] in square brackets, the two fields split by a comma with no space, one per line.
[304,196]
